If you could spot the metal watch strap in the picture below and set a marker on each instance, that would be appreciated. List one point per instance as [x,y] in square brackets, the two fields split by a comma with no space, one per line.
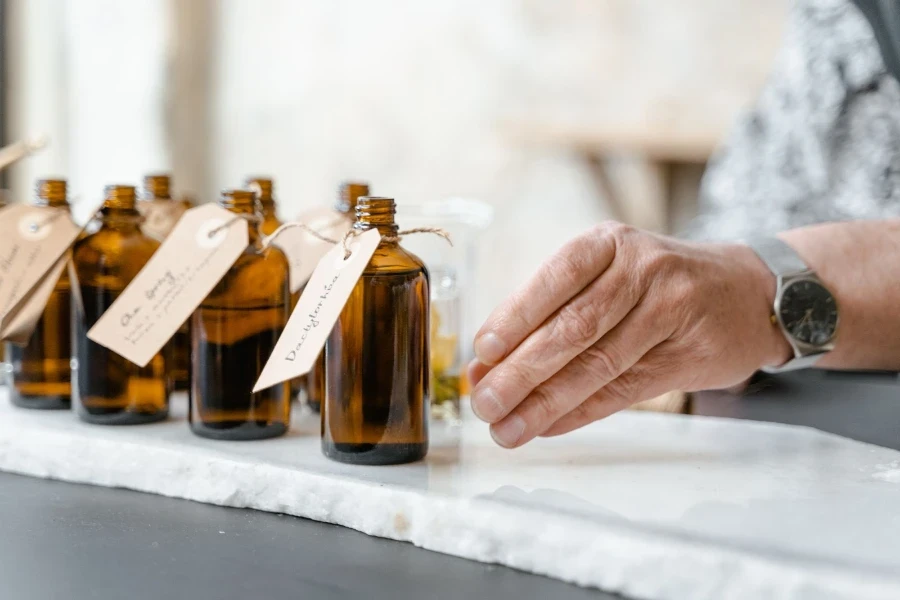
[779,257]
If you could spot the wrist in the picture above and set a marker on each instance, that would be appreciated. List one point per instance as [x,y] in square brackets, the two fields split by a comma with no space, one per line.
[773,348]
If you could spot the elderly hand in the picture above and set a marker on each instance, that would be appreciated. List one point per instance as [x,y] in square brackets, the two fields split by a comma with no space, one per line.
[615,317]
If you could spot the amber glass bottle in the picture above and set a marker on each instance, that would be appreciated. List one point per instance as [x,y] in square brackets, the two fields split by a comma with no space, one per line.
[268,210]
[41,372]
[376,358]
[233,333]
[107,388]
[157,204]
[348,195]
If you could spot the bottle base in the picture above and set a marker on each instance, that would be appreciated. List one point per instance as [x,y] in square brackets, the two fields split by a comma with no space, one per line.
[238,431]
[41,402]
[375,454]
[122,417]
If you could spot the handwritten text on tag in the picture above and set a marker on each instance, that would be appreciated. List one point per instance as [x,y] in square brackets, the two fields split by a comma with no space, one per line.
[32,240]
[173,283]
[318,310]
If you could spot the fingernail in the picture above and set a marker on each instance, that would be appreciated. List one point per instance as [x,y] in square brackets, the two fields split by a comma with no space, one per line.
[486,405]
[508,431]
[490,349]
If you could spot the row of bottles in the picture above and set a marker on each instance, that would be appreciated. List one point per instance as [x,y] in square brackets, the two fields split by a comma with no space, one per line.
[371,381]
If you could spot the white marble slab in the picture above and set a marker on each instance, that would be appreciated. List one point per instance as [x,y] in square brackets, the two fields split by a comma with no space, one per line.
[652,506]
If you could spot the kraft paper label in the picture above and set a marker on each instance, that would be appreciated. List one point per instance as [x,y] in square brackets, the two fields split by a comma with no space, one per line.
[22,322]
[32,241]
[173,283]
[304,251]
[318,310]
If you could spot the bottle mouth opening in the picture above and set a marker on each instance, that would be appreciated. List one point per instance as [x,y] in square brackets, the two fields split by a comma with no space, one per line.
[375,206]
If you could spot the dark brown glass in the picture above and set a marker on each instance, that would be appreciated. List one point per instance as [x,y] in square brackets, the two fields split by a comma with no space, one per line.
[41,370]
[268,210]
[158,189]
[377,356]
[348,195]
[233,333]
[107,388]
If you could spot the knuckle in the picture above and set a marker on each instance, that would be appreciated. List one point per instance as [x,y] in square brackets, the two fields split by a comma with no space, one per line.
[603,361]
[577,324]
[543,405]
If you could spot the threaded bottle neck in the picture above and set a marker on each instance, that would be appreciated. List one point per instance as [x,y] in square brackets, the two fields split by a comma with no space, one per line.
[120,197]
[376,212]
[158,187]
[348,195]
[265,190]
[51,192]
[243,202]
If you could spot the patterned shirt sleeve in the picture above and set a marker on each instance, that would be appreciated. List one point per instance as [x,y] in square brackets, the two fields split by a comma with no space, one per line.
[822,142]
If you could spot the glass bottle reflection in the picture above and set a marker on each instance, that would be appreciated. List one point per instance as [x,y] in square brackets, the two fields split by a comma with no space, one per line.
[161,213]
[377,356]
[348,195]
[268,210]
[107,388]
[41,373]
[233,333]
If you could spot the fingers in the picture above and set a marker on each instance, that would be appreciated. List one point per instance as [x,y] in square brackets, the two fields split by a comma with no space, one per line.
[589,316]
[594,368]
[477,371]
[649,378]
[563,276]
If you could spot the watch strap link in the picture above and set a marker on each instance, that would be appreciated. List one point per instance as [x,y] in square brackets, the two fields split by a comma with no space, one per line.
[779,257]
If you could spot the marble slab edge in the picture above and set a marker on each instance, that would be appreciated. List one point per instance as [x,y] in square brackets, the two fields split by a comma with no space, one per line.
[637,562]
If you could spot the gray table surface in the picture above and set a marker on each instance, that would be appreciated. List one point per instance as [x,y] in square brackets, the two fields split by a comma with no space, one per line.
[61,540]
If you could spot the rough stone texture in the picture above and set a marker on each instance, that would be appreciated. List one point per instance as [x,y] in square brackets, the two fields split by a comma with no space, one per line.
[657,507]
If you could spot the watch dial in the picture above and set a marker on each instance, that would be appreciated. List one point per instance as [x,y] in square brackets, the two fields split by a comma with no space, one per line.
[809,312]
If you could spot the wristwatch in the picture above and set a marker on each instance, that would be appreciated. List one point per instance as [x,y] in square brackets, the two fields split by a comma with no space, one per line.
[804,308]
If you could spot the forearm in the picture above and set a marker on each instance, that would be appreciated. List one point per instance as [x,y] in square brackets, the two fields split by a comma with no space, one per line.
[860,263]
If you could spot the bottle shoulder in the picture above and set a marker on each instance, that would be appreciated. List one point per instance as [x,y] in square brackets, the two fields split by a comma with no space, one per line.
[111,245]
[394,259]
[255,280]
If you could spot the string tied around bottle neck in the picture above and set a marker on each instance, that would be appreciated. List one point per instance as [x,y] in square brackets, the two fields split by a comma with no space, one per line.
[344,242]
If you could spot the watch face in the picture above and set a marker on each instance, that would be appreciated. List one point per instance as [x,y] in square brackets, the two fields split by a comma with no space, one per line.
[809,312]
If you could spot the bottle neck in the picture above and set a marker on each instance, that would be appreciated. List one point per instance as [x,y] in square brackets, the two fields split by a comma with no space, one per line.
[119,209]
[157,187]
[265,192]
[377,213]
[244,203]
[51,192]
[348,197]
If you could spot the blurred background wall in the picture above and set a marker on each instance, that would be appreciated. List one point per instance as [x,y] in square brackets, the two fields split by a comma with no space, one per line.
[558,113]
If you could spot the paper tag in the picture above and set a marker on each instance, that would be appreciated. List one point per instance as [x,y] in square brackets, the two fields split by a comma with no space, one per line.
[160,217]
[32,240]
[303,250]
[18,326]
[318,310]
[173,283]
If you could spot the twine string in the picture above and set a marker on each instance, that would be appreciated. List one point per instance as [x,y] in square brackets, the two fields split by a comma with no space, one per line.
[344,242]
